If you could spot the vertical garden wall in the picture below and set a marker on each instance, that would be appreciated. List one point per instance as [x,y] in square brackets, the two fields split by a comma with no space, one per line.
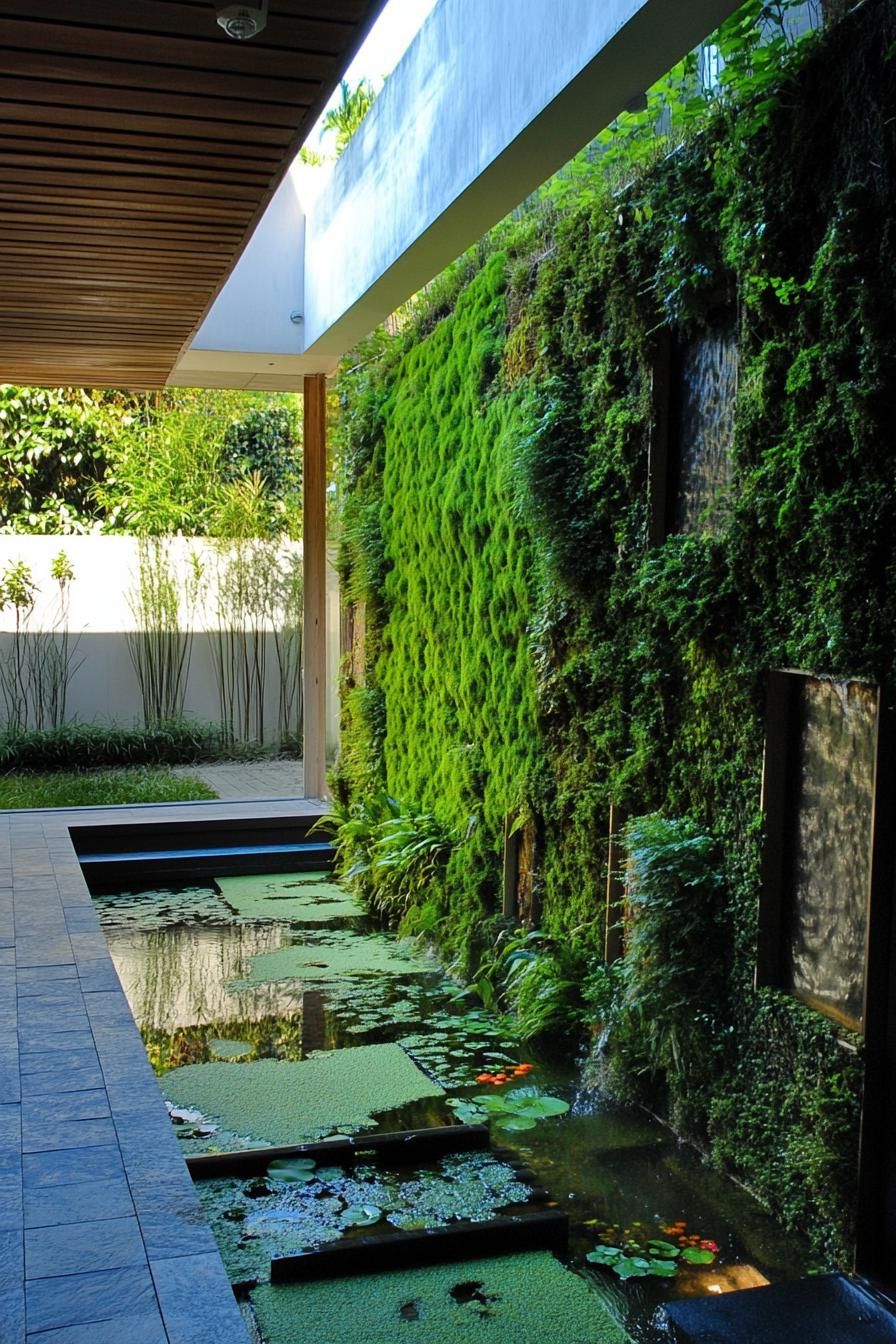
[563,604]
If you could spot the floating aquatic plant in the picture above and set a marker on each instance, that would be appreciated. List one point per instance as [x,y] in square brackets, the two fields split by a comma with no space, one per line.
[299,1206]
[502,1300]
[517,1110]
[312,898]
[632,1252]
[285,1103]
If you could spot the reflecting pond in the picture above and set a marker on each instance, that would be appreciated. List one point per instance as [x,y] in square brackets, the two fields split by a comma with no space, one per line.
[209,986]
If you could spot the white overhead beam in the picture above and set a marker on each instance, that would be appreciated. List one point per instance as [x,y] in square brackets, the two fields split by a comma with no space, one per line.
[489,100]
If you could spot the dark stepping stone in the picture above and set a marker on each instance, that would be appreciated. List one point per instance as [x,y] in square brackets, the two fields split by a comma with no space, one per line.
[828,1309]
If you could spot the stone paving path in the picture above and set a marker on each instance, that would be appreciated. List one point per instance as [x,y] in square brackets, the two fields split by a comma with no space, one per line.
[238,780]
[101,1237]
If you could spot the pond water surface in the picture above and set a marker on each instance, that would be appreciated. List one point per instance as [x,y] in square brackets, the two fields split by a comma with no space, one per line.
[207,985]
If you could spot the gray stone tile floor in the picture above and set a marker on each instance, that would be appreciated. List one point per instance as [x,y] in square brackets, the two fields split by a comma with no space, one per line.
[241,780]
[101,1237]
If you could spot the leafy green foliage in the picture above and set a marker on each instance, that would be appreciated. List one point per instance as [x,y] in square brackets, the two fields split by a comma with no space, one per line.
[528,648]
[633,1253]
[100,788]
[73,460]
[54,448]
[390,854]
[87,746]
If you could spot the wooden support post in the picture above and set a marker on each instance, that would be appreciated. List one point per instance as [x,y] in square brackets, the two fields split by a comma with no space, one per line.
[615,905]
[314,549]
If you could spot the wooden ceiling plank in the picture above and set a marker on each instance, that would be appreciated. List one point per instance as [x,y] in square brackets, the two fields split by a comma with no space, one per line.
[180,129]
[173,105]
[130,77]
[193,34]
[77,146]
[130,183]
[157,205]
[313,49]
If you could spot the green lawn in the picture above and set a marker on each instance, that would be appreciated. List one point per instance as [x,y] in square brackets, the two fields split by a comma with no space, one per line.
[92,788]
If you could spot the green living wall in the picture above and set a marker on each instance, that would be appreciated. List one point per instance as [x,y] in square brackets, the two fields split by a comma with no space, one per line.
[528,652]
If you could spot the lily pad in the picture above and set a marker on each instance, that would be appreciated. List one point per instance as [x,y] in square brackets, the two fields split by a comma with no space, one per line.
[292,1170]
[361,1215]
[694,1256]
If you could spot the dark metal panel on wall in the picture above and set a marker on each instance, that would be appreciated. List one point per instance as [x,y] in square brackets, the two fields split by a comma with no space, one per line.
[782,794]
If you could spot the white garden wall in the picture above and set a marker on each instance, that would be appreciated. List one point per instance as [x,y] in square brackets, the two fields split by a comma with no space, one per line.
[105,686]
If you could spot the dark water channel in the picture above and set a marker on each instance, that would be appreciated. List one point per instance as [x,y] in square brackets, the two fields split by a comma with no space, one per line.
[189,965]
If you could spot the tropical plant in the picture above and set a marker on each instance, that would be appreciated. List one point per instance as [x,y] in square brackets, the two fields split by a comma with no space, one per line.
[84,746]
[535,977]
[389,853]
[54,448]
[344,119]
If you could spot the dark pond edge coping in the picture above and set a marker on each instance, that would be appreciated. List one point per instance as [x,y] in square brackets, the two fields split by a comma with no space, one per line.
[545,1230]
[101,1235]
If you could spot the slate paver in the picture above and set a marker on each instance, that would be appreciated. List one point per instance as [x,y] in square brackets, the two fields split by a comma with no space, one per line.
[198,1306]
[85,1202]
[42,1137]
[81,1248]
[71,1166]
[55,1109]
[144,1329]
[78,1299]
[98,1208]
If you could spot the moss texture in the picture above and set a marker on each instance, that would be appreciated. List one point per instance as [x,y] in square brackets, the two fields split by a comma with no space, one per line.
[310,898]
[282,1103]
[520,1299]
[529,651]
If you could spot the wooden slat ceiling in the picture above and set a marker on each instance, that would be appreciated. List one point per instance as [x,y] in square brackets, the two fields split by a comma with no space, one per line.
[140,146]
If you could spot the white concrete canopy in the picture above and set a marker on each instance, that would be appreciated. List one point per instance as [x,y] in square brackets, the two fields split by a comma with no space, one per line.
[488,101]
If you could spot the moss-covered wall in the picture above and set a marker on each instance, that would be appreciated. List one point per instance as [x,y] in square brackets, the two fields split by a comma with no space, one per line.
[529,652]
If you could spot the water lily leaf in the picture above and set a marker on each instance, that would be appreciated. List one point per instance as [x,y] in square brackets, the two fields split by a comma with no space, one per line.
[695,1256]
[632,1267]
[292,1170]
[362,1215]
[663,1250]
[515,1122]
[540,1107]
[604,1255]
[491,1102]
[663,1269]
[327,1175]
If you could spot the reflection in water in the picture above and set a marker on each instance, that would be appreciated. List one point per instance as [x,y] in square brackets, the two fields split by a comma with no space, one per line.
[176,977]
[707,386]
[831,844]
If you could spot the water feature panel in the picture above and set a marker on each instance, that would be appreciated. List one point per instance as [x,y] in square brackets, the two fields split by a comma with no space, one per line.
[706,389]
[831,845]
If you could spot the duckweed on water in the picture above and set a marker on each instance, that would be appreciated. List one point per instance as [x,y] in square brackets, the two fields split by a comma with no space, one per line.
[334,955]
[301,1215]
[313,898]
[282,1103]
[148,911]
[519,1299]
